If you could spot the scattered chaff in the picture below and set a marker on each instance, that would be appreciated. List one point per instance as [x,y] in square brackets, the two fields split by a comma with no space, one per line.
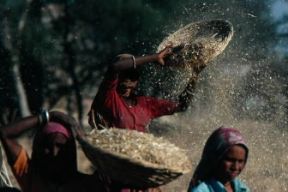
[134,158]
[141,147]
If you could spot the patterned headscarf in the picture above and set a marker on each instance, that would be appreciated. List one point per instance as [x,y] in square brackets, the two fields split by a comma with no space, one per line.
[41,137]
[53,127]
[215,148]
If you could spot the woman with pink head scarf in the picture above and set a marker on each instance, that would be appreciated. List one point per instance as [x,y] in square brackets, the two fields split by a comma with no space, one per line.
[53,164]
[224,157]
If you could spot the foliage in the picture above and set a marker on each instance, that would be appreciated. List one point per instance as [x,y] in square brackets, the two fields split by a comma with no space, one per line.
[64,46]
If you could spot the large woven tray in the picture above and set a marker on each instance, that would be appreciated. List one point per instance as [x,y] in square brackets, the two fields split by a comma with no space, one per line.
[198,43]
[132,170]
[195,46]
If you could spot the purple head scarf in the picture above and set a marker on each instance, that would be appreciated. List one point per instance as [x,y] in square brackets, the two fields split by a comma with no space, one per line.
[216,146]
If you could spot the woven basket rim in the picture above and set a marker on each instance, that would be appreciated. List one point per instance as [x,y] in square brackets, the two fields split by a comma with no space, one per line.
[145,164]
[187,30]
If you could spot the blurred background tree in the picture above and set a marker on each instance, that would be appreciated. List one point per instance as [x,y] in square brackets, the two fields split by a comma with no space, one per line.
[54,52]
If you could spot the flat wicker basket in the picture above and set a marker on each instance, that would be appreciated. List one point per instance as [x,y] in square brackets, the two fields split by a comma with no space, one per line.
[200,43]
[135,159]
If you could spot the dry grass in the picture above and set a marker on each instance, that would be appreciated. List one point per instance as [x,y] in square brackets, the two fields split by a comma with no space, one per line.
[141,147]
[135,158]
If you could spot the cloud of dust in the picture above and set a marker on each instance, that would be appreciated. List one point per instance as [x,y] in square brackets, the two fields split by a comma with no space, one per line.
[245,95]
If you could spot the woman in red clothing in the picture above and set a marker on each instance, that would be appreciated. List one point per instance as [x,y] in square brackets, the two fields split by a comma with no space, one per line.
[117,105]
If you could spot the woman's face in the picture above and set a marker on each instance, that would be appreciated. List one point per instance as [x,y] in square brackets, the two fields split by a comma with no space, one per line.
[126,87]
[54,154]
[232,164]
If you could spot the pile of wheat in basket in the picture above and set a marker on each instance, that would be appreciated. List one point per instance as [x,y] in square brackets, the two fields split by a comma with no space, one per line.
[133,158]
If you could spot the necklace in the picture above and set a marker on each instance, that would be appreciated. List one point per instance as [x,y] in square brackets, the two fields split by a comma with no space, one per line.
[130,102]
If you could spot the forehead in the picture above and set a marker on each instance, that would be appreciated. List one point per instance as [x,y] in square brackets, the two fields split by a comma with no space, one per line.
[129,74]
[127,80]
[56,138]
[236,151]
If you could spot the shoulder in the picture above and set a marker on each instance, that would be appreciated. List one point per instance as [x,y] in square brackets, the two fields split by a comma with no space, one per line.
[202,187]
[146,99]
[151,99]
[20,166]
[241,186]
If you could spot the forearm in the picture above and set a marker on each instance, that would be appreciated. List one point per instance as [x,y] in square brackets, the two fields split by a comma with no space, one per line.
[130,63]
[17,128]
[9,133]
[12,149]
[185,98]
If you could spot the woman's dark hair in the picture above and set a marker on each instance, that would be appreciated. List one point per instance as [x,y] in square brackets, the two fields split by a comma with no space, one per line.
[9,189]
[132,74]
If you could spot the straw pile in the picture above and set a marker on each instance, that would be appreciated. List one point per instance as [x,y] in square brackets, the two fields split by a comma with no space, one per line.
[135,158]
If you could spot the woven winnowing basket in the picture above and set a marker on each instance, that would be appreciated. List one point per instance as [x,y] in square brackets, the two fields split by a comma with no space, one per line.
[131,171]
[202,42]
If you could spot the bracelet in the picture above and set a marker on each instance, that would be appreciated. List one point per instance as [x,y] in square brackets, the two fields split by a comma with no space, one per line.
[134,62]
[43,117]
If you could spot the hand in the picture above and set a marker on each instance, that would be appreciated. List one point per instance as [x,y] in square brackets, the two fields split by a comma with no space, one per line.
[154,189]
[91,119]
[8,116]
[164,53]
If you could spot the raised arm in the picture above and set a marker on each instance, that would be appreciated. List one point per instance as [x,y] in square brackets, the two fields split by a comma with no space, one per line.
[130,62]
[10,132]
[185,98]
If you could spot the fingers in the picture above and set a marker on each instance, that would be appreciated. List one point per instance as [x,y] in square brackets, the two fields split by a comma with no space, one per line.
[174,49]
[91,120]
[80,133]
[169,44]
[178,48]
[166,51]
[62,118]
[161,62]
[68,122]
[8,115]
[168,48]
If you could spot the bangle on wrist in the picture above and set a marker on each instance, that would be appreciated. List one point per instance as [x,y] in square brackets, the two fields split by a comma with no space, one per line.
[40,120]
[43,117]
[134,62]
